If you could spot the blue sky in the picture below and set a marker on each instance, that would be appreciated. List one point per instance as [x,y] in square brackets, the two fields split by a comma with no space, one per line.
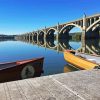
[20,16]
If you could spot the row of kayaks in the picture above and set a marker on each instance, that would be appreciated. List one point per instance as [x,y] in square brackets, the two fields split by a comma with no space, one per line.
[82,60]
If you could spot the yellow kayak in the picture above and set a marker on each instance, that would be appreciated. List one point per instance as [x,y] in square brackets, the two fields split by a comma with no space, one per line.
[79,62]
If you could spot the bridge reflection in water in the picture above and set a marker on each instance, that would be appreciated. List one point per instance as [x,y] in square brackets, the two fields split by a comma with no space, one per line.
[88,46]
[91,46]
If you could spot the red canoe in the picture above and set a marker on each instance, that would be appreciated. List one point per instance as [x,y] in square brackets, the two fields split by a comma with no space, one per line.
[21,69]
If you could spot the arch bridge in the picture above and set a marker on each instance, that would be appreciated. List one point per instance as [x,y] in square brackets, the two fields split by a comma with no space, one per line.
[90,27]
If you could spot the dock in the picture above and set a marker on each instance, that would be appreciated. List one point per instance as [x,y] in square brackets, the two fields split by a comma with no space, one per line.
[78,85]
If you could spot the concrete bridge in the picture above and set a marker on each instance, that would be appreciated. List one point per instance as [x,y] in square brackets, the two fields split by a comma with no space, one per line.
[90,27]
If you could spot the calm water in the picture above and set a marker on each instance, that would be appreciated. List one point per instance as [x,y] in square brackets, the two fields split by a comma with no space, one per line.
[53,63]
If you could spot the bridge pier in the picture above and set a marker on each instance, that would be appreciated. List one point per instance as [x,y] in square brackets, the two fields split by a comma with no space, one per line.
[29,37]
[45,37]
[37,38]
[24,37]
[57,35]
[83,39]
[32,36]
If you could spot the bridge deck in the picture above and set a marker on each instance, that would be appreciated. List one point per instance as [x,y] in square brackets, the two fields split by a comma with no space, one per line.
[82,85]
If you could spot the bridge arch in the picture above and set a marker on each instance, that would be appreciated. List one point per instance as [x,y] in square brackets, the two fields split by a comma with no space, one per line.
[51,33]
[64,44]
[64,32]
[31,34]
[93,31]
[41,43]
[51,44]
[91,47]
[27,36]
[41,35]
[94,45]
[91,26]
[35,35]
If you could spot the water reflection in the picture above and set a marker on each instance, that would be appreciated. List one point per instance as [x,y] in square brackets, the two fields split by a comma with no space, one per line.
[51,43]
[1,40]
[70,68]
[87,46]
[52,50]
[55,45]
[41,42]
[64,44]
[19,50]
[91,47]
